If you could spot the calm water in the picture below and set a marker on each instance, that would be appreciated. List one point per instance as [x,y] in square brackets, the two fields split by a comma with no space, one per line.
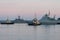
[25,32]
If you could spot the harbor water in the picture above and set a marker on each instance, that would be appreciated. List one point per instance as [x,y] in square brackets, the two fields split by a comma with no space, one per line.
[25,32]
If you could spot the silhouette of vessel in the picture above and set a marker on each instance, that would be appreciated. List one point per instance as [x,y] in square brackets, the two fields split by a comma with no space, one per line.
[19,20]
[34,22]
[7,22]
[48,20]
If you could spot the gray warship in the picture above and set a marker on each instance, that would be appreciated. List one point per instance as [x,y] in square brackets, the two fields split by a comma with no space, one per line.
[46,20]
[19,20]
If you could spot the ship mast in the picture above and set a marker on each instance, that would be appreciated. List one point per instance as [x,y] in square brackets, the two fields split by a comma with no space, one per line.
[18,17]
[35,16]
[7,20]
[49,13]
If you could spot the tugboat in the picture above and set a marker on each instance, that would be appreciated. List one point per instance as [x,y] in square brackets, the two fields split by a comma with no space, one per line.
[7,22]
[34,22]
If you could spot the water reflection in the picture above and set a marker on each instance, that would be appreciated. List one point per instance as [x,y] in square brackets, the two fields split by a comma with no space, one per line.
[46,32]
[43,34]
[25,32]
[35,33]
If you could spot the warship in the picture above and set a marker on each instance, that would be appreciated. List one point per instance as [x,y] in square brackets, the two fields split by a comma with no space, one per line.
[48,20]
[19,20]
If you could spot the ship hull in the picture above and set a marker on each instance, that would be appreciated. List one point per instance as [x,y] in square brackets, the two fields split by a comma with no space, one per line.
[32,24]
[7,23]
[48,23]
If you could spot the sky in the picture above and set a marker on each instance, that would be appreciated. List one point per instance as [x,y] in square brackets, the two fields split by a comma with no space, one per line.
[27,8]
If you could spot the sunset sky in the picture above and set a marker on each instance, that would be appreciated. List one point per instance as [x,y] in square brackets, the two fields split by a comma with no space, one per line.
[27,8]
